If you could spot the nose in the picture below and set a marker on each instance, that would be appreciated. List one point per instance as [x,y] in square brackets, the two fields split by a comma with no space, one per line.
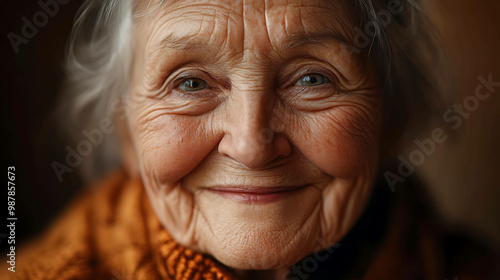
[248,137]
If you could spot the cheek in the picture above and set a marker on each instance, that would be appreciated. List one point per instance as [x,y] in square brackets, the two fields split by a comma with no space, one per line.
[170,146]
[342,143]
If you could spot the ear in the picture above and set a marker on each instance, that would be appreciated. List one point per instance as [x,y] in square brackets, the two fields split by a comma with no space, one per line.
[129,157]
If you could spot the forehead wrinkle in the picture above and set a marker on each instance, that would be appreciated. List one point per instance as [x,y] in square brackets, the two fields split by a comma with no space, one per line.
[311,23]
[214,21]
[211,24]
[230,22]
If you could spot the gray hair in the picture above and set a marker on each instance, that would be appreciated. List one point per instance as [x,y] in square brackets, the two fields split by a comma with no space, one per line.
[97,63]
[99,59]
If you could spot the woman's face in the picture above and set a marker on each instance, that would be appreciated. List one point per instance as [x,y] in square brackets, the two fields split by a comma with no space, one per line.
[254,129]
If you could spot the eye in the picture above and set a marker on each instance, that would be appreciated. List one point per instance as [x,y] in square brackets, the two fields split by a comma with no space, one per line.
[311,80]
[192,84]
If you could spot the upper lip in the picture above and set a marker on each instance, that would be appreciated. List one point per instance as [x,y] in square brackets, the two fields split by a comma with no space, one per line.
[254,189]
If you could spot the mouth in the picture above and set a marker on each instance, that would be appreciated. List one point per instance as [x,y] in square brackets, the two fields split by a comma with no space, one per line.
[250,194]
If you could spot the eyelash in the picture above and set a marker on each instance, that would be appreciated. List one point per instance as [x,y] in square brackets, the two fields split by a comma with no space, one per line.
[310,71]
[184,77]
[187,76]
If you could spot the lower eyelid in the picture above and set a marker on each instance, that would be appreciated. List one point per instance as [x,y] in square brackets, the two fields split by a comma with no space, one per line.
[206,93]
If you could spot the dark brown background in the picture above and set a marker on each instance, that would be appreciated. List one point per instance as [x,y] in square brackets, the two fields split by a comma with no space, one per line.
[30,81]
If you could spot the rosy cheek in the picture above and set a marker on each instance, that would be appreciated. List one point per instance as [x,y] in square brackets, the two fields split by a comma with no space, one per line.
[172,146]
[331,143]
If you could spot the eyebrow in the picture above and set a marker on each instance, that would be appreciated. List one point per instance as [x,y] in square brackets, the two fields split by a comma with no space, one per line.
[296,40]
[182,43]
[292,41]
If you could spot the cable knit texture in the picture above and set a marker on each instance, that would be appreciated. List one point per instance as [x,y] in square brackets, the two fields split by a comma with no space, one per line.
[111,232]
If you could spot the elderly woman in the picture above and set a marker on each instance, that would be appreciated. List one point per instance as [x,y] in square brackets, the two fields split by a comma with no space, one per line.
[252,136]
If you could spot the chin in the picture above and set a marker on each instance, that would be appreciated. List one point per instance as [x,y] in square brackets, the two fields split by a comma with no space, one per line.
[262,251]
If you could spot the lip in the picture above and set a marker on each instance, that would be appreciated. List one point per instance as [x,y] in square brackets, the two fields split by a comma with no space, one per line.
[250,194]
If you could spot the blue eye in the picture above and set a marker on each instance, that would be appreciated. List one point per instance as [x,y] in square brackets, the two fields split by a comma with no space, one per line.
[311,80]
[193,84]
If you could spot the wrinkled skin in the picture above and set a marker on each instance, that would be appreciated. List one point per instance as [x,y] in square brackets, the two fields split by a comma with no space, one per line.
[254,124]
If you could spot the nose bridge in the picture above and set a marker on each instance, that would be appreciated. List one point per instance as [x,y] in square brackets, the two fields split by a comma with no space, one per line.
[251,114]
[252,91]
[248,138]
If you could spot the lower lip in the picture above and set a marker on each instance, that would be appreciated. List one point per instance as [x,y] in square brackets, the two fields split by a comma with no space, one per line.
[250,197]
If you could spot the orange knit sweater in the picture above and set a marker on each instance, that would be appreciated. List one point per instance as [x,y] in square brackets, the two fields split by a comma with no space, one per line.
[111,232]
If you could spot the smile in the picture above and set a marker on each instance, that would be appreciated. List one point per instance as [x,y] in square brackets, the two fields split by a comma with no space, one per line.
[248,194]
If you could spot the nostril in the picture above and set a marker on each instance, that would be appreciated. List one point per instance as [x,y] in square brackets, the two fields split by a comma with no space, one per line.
[253,154]
[282,145]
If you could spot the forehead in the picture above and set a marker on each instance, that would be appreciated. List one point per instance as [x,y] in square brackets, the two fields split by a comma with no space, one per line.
[236,26]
